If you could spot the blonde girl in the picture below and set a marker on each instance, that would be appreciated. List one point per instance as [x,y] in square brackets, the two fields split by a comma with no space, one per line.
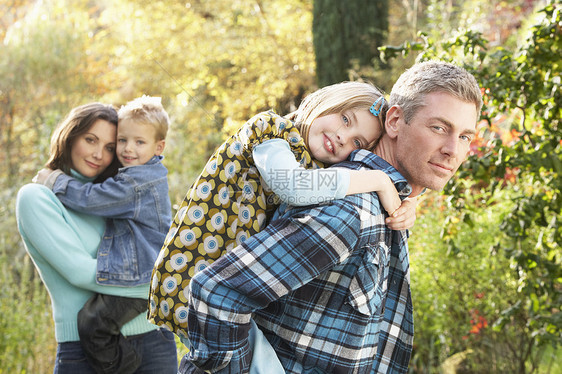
[270,160]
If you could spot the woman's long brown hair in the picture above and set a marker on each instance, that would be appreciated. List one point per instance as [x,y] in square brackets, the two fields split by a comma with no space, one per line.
[76,123]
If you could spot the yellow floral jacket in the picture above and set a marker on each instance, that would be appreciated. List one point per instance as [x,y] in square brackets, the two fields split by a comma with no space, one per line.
[227,204]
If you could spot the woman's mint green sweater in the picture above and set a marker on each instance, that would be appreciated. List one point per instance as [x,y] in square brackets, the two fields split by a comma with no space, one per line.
[63,245]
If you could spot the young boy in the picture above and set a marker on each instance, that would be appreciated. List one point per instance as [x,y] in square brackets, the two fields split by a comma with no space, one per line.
[138,211]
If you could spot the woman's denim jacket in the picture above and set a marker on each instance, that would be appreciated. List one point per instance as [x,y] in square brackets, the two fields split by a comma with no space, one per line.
[138,211]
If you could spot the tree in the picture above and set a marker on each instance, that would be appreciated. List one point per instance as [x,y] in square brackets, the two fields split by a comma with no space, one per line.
[520,156]
[216,64]
[44,70]
[347,35]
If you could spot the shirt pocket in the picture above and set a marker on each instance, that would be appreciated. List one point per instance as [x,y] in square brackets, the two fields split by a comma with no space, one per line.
[124,262]
[368,286]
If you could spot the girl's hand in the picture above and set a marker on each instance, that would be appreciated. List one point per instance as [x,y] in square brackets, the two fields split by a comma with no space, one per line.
[405,216]
[42,175]
[387,194]
[402,214]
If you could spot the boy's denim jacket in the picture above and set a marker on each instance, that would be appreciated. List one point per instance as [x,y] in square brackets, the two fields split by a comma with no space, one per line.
[138,211]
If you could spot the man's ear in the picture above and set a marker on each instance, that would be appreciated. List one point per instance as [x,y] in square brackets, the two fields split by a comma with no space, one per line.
[160,145]
[393,118]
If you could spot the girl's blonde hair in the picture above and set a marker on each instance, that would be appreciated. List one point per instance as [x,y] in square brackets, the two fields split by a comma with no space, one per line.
[78,122]
[147,110]
[337,98]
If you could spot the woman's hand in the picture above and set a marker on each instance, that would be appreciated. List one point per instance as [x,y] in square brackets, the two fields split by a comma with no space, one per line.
[405,216]
[42,176]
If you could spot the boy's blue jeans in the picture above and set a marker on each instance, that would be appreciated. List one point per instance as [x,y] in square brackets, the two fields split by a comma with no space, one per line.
[157,350]
[99,325]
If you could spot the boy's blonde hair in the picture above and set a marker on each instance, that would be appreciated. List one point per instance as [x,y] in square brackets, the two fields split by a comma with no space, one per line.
[337,98]
[147,110]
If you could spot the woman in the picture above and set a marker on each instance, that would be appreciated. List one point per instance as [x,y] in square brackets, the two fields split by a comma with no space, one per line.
[63,244]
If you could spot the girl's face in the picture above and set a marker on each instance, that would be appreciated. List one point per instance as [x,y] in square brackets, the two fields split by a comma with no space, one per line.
[92,152]
[333,137]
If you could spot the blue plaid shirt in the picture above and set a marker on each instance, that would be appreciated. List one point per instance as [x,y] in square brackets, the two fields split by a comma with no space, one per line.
[328,285]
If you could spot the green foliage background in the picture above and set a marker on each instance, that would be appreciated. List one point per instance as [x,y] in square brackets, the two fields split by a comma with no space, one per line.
[486,275]
[502,222]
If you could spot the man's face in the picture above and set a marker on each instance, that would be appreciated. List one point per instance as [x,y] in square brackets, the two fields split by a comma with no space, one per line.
[430,148]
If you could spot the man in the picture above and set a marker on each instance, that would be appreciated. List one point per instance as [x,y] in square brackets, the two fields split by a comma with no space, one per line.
[328,285]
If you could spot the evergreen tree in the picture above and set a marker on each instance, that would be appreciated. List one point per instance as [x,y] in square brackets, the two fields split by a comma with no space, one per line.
[347,34]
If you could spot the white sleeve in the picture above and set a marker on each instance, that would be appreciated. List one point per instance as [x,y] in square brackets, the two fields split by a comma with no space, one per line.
[294,184]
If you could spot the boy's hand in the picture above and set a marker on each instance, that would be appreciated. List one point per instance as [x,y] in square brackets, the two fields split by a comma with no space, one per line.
[42,175]
[405,216]
[47,177]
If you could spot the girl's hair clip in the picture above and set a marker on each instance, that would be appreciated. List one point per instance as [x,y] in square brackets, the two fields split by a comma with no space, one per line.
[376,112]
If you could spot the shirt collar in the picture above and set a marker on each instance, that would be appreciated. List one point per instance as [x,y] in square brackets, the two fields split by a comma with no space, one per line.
[155,159]
[370,160]
[76,175]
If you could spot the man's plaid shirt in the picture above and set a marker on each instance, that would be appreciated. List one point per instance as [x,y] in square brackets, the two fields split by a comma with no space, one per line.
[328,285]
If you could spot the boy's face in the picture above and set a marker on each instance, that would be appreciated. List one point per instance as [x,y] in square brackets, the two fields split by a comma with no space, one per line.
[136,143]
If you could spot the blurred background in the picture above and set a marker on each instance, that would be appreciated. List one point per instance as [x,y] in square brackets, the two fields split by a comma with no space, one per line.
[485,254]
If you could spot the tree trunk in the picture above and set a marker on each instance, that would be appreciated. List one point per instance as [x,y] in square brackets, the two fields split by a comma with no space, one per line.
[347,34]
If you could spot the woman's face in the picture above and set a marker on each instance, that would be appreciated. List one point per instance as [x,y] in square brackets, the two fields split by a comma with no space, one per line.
[92,152]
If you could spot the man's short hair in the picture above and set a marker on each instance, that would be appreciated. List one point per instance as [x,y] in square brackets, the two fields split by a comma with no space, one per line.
[424,78]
